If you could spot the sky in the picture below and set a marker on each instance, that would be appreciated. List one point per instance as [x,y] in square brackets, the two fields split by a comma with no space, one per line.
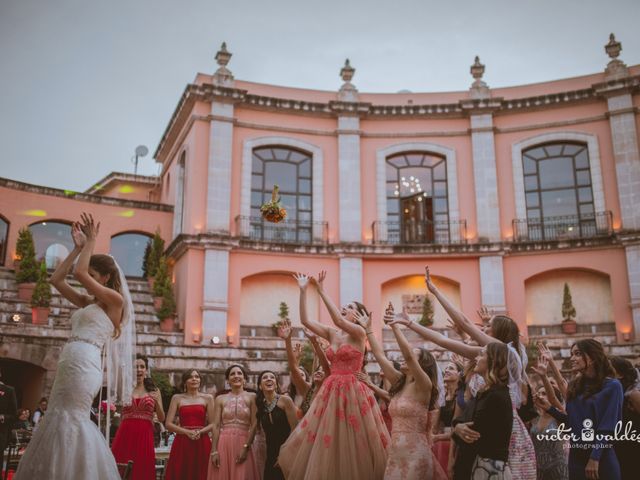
[84,82]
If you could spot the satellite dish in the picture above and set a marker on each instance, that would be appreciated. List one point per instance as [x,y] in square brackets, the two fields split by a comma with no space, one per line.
[141,151]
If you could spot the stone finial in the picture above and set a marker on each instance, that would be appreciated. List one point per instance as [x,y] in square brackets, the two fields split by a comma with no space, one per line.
[348,92]
[477,69]
[616,68]
[223,75]
[613,48]
[347,71]
[479,89]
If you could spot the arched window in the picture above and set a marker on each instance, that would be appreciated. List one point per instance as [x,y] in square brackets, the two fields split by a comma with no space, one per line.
[4,235]
[52,240]
[128,251]
[417,205]
[291,171]
[558,193]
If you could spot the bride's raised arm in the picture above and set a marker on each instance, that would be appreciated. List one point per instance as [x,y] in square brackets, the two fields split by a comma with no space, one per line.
[59,277]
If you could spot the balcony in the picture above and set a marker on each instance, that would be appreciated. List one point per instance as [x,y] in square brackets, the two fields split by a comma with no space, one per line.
[599,224]
[420,232]
[288,231]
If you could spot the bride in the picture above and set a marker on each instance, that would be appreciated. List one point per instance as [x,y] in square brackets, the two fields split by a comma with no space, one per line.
[67,444]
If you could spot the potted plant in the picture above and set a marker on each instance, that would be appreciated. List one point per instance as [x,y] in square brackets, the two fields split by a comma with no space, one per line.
[153,253]
[27,271]
[569,325]
[427,312]
[167,312]
[41,297]
[284,317]
[161,282]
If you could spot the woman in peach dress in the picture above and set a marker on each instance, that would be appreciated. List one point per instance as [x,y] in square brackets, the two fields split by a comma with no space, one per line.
[413,392]
[343,435]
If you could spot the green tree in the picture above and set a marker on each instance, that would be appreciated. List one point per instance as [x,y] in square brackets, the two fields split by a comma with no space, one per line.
[152,259]
[42,293]
[568,310]
[26,253]
[427,312]
[168,307]
[162,278]
[284,311]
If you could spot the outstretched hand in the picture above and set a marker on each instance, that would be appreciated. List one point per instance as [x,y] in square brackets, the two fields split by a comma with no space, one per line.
[319,282]
[484,314]
[401,318]
[284,329]
[362,319]
[88,226]
[79,238]
[303,280]
[427,279]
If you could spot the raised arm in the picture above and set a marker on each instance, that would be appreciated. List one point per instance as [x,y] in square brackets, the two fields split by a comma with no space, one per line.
[555,371]
[351,328]
[419,375]
[378,352]
[290,410]
[108,296]
[284,332]
[59,277]
[456,315]
[320,355]
[316,327]
[381,392]
[541,370]
[461,348]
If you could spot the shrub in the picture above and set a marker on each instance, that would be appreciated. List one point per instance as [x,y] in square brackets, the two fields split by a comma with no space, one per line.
[152,257]
[42,293]
[26,253]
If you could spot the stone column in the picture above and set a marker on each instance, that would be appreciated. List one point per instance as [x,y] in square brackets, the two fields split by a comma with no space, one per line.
[215,295]
[485,174]
[624,134]
[492,284]
[350,219]
[350,279]
[633,271]
[220,152]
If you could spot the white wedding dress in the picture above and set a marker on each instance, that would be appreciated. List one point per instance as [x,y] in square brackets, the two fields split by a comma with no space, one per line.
[67,444]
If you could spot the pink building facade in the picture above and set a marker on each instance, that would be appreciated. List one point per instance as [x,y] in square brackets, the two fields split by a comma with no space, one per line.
[507,194]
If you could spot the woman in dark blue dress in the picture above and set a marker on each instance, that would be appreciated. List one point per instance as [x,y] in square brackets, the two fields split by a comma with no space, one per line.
[594,407]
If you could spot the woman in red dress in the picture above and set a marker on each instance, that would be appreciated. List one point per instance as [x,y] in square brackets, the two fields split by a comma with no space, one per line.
[134,439]
[189,457]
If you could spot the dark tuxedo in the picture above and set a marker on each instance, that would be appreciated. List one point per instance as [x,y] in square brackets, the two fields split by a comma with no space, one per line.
[9,410]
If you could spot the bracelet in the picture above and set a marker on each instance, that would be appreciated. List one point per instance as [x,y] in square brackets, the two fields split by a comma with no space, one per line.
[214,453]
[369,332]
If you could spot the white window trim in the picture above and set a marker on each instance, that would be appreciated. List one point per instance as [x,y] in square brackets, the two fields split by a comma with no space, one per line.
[317,163]
[452,175]
[597,186]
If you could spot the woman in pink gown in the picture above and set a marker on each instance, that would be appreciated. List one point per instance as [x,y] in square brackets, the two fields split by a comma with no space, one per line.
[413,392]
[343,435]
[234,428]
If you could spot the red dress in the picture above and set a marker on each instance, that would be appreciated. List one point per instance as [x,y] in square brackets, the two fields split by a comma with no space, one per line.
[134,439]
[189,459]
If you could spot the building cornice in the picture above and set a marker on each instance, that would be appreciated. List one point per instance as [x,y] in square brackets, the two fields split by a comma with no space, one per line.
[101,184]
[83,197]
[332,109]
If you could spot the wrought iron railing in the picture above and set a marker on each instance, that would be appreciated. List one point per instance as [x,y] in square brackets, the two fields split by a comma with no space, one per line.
[598,224]
[287,231]
[422,232]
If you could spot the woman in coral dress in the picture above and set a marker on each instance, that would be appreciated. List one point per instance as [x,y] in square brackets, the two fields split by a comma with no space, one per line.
[134,439]
[189,456]
[343,435]
[234,428]
[414,392]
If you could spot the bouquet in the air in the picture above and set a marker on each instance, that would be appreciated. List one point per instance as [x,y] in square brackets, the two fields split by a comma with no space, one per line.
[273,211]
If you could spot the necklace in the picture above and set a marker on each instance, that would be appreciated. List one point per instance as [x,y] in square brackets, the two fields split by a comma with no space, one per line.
[272,404]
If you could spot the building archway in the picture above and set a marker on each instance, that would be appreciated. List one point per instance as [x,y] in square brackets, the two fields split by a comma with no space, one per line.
[128,250]
[53,241]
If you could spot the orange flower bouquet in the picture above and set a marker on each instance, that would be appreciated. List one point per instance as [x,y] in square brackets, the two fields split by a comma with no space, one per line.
[273,211]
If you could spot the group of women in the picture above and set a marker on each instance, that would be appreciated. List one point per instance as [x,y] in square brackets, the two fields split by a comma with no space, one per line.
[491,421]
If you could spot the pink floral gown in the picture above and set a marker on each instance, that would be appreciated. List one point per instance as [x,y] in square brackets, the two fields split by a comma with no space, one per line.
[410,454]
[343,435]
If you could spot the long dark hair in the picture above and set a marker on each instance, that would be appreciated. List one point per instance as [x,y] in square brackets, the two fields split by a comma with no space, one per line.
[106,265]
[497,359]
[506,330]
[292,391]
[428,363]
[625,371]
[601,365]
[261,401]
[147,382]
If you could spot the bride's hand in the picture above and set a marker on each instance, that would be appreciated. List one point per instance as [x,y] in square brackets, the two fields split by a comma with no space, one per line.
[303,280]
[89,227]
[79,238]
